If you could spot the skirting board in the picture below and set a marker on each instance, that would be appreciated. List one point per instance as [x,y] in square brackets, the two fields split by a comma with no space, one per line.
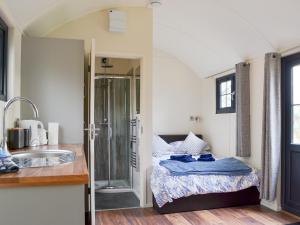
[271,205]
[148,205]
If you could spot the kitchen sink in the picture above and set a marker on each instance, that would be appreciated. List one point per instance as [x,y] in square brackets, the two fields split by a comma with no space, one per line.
[43,158]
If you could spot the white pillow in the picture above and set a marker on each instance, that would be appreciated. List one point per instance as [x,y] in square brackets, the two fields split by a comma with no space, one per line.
[160,147]
[176,146]
[192,144]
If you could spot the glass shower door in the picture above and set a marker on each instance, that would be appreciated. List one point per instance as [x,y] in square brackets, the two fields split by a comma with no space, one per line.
[102,140]
[120,132]
[112,146]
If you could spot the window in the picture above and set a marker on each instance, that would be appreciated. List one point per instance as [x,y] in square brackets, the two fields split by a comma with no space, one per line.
[3,60]
[225,94]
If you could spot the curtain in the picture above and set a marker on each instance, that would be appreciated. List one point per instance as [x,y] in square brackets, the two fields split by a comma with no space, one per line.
[271,133]
[243,142]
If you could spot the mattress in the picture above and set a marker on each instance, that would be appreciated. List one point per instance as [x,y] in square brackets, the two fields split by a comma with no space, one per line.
[166,187]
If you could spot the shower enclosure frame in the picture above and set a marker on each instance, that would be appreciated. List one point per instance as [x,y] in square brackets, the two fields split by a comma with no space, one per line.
[132,104]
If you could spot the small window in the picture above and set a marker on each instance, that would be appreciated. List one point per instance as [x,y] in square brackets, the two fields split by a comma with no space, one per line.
[225,94]
[3,60]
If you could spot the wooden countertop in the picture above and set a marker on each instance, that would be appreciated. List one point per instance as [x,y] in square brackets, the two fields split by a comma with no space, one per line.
[64,174]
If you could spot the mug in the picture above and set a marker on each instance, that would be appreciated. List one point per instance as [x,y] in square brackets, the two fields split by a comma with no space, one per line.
[34,126]
[15,138]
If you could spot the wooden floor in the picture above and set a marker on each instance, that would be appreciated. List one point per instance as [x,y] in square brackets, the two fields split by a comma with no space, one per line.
[231,216]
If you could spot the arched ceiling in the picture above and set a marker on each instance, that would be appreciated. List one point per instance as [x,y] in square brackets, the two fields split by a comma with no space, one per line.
[211,36]
[207,35]
[38,17]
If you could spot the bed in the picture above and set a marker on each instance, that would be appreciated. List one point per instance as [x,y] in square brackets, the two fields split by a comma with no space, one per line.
[193,192]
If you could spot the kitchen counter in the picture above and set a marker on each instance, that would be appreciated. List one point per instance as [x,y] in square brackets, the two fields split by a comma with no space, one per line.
[64,174]
[46,195]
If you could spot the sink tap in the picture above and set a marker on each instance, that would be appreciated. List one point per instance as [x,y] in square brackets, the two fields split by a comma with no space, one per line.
[3,148]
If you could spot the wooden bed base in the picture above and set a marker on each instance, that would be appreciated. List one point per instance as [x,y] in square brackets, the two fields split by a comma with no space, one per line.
[249,196]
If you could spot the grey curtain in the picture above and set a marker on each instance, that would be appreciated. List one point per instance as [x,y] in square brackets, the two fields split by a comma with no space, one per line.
[271,133]
[243,141]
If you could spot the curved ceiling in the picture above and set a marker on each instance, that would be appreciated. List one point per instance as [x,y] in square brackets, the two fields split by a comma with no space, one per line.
[207,35]
[211,36]
[38,17]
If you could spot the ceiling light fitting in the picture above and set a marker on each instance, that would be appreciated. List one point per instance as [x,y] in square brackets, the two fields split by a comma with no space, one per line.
[154,3]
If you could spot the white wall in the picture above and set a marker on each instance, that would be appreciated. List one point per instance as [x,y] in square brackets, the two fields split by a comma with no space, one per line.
[14,65]
[220,129]
[176,96]
[53,78]
[120,66]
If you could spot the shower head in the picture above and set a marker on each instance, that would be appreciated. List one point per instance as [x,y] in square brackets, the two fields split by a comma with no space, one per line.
[105,63]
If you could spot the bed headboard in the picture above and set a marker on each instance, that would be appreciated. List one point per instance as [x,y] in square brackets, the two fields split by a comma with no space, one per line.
[176,137]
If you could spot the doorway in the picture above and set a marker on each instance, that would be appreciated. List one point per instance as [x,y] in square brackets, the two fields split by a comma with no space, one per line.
[116,117]
[291,133]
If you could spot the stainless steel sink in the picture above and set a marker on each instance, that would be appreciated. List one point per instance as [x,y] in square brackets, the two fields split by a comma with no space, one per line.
[43,158]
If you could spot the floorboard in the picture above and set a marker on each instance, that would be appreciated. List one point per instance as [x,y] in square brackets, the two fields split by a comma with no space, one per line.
[254,215]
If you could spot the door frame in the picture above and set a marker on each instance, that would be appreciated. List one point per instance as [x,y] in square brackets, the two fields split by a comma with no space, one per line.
[287,63]
[91,132]
[143,179]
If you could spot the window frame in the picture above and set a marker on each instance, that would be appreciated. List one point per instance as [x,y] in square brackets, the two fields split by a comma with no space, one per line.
[3,71]
[219,81]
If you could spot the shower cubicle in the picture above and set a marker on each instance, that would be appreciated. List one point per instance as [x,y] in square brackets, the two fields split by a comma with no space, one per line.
[116,111]
[112,145]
